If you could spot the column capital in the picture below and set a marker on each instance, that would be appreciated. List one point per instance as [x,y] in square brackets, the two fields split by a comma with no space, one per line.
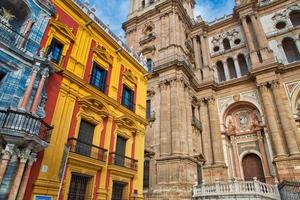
[32,158]
[45,72]
[275,84]
[8,151]
[211,100]
[24,155]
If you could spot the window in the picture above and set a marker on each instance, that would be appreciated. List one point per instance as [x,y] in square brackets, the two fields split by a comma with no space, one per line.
[55,50]
[221,72]
[295,17]
[120,151]
[99,78]
[243,64]
[290,50]
[193,112]
[146,173]
[78,187]
[150,65]
[143,3]
[231,68]
[199,174]
[2,75]
[226,44]
[151,2]
[280,25]
[216,48]
[148,109]
[237,41]
[128,98]
[118,191]
[85,138]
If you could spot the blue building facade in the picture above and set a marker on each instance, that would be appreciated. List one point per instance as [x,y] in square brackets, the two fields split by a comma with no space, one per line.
[24,70]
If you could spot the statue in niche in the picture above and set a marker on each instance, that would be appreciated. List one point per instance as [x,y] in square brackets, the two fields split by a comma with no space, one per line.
[6,16]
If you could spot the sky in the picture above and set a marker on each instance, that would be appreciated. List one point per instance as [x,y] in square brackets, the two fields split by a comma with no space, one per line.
[114,12]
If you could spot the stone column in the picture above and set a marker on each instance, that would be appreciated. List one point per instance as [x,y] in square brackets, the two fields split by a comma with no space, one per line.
[298,43]
[288,131]
[38,94]
[196,50]
[206,136]
[31,160]
[24,155]
[236,158]
[165,126]
[272,116]
[183,117]
[204,50]
[6,155]
[263,155]
[29,88]
[131,5]
[227,75]
[253,54]
[237,67]
[175,114]
[215,132]
[188,107]
[261,38]
[26,32]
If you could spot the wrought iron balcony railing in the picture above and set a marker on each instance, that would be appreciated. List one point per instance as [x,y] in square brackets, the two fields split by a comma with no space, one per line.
[123,161]
[15,40]
[196,123]
[88,150]
[25,123]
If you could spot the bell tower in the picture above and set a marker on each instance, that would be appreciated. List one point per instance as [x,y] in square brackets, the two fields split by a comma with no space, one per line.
[161,30]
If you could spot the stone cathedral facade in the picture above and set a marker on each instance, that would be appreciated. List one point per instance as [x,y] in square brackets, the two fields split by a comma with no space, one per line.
[223,96]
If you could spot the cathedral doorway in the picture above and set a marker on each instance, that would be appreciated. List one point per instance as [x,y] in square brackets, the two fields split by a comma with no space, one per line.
[252,167]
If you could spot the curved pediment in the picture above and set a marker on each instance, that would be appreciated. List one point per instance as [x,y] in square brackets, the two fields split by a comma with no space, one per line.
[103,54]
[95,105]
[126,122]
[63,29]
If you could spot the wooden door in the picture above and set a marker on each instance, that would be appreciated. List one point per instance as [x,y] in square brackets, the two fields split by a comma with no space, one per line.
[120,151]
[85,138]
[252,167]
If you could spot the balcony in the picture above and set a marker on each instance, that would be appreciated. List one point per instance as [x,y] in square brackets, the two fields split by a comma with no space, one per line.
[21,126]
[197,123]
[148,38]
[231,190]
[151,116]
[16,41]
[122,161]
[87,150]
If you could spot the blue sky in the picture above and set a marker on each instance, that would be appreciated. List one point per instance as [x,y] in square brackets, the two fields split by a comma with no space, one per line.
[114,12]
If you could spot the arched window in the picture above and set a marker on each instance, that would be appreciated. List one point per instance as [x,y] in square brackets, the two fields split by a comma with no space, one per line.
[221,72]
[143,3]
[226,44]
[150,65]
[295,17]
[290,50]
[231,68]
[243,64]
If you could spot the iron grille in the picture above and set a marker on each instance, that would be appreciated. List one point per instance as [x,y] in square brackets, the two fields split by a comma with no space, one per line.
[123,161]
[85,149]
[25,122]
[79,187]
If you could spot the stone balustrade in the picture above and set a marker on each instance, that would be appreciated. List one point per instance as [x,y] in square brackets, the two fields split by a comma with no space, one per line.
[236,190]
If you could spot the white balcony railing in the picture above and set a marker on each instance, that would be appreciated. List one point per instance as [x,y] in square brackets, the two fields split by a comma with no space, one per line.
[242,188]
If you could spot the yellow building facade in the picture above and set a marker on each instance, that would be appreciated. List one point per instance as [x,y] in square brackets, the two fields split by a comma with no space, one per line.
[97,105]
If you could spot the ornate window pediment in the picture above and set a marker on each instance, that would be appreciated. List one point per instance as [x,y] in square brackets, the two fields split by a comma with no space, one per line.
[103,54]
[91,104]
[128,74]
[126,123]
[63,29]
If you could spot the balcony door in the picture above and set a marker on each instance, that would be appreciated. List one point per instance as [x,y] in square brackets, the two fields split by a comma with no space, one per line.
[252,167]
[85,138]
[120,151]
